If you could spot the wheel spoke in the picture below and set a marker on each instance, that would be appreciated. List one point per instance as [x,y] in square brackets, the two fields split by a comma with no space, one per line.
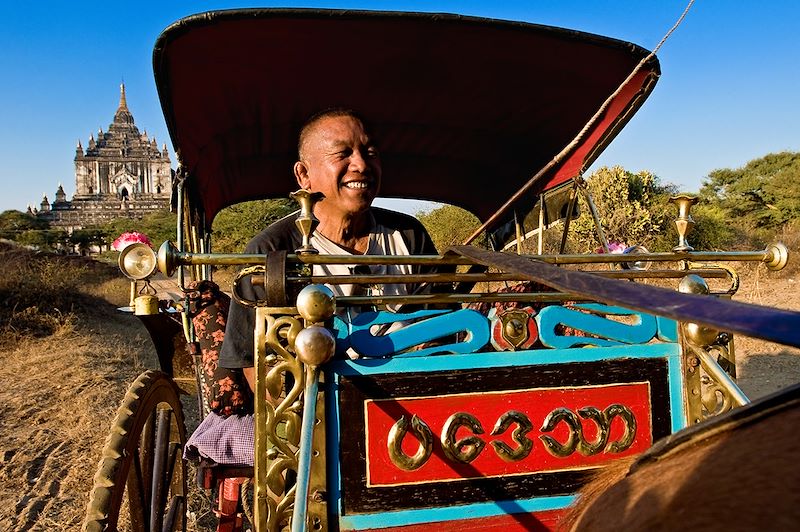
[175,515]
[159,486]
[146,446]
[174,478]
[136,496]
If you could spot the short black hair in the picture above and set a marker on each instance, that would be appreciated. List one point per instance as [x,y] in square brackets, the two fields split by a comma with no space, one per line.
[331,112]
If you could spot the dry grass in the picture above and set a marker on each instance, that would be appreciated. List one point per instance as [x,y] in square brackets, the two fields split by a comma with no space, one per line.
[41,292]
[67,360]
[68,356]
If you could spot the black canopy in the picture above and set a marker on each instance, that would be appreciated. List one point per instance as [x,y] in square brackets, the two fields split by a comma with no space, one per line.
[465,109]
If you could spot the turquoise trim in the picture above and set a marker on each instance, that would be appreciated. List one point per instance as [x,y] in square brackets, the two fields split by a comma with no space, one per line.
[358,335]
[608,332]
[443,515]
[677,405]
[501,359]
[332,462]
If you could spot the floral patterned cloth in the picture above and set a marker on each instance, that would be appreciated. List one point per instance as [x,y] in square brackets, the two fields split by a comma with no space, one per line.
[225,390]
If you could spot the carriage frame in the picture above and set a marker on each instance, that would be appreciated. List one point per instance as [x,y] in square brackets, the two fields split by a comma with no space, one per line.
[645,363]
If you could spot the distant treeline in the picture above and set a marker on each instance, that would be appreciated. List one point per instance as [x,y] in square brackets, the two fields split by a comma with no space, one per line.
[740,208]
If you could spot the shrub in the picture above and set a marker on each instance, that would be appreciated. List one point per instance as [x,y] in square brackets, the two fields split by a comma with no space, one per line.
[632,208]
[234,226]
[450,226]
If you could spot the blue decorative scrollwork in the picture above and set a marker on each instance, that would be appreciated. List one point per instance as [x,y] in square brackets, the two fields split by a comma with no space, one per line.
[605,332]
[380,334]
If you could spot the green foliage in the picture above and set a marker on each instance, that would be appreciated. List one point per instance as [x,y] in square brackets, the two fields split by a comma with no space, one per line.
[449,226]
[32,231]
[84,239]
[712,231]
[29,230]
[44,239]
[14,223]
[234,226]
[762,195]
[632,207]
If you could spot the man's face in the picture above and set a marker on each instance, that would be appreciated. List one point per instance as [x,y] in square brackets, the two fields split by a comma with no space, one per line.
[340,160]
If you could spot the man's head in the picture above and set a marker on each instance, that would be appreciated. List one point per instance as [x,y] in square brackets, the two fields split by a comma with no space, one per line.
[339,158]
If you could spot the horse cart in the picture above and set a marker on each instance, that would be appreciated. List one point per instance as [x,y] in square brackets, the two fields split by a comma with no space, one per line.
[490,407]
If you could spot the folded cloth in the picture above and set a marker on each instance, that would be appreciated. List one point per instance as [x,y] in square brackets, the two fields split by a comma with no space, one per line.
[227,440]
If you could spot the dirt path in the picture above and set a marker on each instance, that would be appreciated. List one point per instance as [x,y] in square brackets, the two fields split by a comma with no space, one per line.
[58,397]
[765,367]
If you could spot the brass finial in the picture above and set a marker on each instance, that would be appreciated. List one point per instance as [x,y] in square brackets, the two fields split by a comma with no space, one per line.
[306,221]
[684,221]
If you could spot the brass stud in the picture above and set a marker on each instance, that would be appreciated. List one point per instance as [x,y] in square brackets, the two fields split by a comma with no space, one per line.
[777,256]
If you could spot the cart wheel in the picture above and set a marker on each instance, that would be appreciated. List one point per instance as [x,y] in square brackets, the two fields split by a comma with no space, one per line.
[140,484]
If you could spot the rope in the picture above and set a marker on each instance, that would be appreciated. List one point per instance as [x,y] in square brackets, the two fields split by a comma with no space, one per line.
[592,121]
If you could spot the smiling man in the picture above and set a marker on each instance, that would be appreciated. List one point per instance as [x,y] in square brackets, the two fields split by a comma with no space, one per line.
[338,157]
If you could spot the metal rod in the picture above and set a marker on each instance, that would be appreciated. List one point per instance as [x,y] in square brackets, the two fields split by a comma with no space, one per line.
[242,259]
[532,297]
[180,229]
[482,277]
[160,454]
[719,375]
[540,241]
[260,421]
[304,453]
[520,236]
[598,225]
[573,197]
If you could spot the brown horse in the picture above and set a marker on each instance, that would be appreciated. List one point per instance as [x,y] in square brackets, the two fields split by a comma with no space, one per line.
[739,471]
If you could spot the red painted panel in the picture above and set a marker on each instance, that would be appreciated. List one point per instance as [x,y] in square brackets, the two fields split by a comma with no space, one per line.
[535,404]
[535,522]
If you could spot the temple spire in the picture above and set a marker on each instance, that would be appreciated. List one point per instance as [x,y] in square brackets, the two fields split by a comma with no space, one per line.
[123,115]
[123,102]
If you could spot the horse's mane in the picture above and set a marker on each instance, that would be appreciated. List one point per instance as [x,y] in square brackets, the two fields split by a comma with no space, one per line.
[732,420]
[725,436]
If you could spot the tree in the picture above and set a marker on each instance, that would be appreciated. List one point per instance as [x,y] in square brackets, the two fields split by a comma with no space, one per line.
[234,226]
[633,209]
[763,194]
[14,223]
[45,239]
[158,226]
[83,240]
[449,225]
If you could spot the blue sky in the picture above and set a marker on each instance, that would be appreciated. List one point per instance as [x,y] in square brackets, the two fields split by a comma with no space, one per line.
[728,92]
